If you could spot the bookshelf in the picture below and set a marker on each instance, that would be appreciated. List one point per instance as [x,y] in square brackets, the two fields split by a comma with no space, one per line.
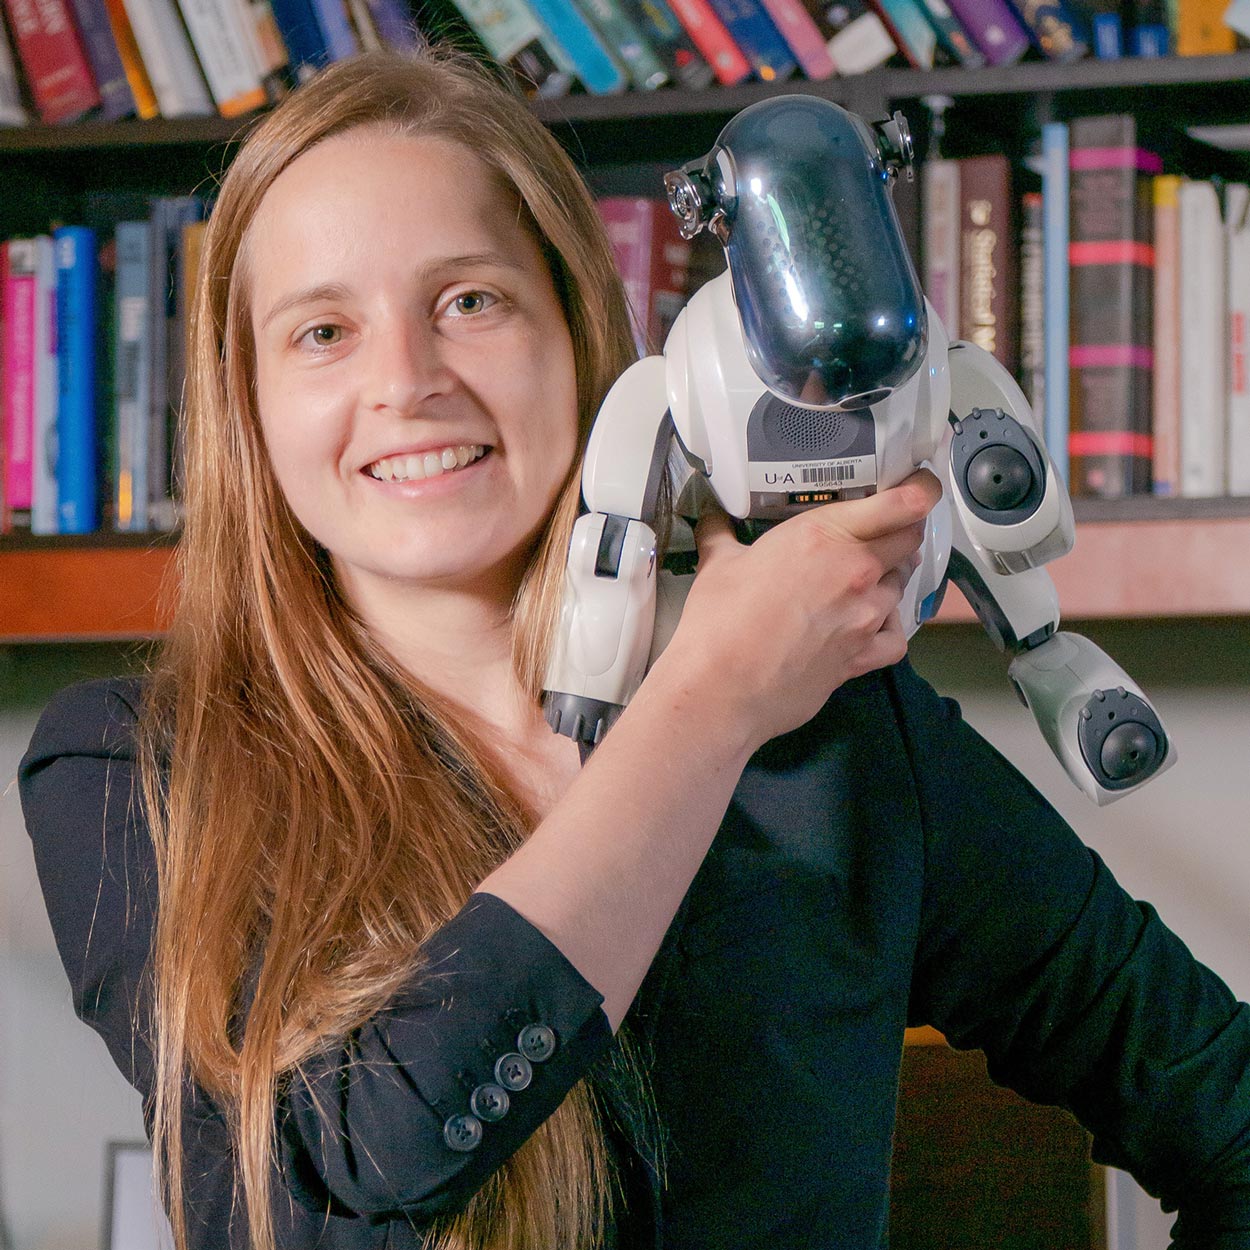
[1143,559]
[1135,563]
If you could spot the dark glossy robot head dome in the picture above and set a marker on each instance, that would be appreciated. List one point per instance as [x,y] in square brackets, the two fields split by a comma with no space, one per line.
[798,191]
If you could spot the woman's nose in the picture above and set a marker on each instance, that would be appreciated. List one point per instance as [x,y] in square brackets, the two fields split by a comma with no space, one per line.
[406,366]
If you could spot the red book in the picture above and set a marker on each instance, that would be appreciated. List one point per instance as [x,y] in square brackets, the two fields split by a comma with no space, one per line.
[715,44]
[53,58]
[988,258]
[654,263]
[1111,281]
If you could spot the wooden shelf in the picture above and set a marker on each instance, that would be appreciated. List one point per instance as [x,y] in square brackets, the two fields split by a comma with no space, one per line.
[1147,568]
[89,593]
[98,590]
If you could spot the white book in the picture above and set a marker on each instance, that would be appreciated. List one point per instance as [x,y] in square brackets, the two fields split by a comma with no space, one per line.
[11,111]
[227,53]
[1202,341]
[177,82]
[1237,228]
[43,510]
[939,209]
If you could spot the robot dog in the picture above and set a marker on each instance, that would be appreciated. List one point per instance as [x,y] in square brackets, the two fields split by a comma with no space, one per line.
[813,369]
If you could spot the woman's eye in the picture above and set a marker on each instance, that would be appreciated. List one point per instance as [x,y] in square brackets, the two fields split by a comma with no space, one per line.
[470,303]
[324,336]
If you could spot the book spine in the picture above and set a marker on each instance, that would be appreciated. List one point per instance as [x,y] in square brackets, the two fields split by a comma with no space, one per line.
[1111,354]
[940,215]
[619,31]
[1237,214]
[857,39]
[117,100]
[512,35]
[19,379]
[222,44]
[755,33]
[1149,34]
[710,35]
[1055,293]
[169,215]
[910,29]
[12,113]
[56,67]
[132,371]
[1053,28]
[1166,392]
[395,25]
[988,263]
[952,38]
[166,52]
[601,73]
[1203,304]
[802,36]
[1201,29]
[994,28]
[301,32]
[132,61]
[1032,303]
[683,62]
[77,319]
[336,29]
[653,261]
[43,501]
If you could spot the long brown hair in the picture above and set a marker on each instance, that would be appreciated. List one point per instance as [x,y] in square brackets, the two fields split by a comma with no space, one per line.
[309,831]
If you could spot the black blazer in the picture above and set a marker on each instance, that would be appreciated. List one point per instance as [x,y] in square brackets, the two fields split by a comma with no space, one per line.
[880,867]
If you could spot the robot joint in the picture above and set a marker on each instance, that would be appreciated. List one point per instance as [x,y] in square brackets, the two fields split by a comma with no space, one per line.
[996,467]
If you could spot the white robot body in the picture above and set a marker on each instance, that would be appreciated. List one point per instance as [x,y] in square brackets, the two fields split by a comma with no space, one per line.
[782,389]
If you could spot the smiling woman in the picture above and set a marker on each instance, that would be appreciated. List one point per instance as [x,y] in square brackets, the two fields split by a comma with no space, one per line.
[389,965]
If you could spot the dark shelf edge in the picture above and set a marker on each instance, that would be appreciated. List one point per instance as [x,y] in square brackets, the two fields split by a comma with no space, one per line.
[1029,78]
[20,540]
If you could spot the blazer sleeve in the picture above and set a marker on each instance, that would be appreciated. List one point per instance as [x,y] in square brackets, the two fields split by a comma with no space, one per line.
[1080,996]
[94,861]
[405,1118]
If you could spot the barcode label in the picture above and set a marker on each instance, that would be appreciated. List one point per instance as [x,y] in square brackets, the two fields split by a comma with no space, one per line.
[824,474]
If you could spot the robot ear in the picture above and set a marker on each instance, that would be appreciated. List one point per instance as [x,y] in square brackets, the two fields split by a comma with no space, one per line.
[895,147]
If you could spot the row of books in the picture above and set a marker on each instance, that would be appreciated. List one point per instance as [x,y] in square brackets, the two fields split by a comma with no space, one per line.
[93,361]
[186,58]
[1118,294]
[93,335]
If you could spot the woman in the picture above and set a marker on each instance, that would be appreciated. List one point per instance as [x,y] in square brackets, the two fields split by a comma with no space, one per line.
[417,976]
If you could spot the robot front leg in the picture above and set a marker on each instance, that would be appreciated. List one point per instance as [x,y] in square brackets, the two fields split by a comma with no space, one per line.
[1097,721]
[604,636]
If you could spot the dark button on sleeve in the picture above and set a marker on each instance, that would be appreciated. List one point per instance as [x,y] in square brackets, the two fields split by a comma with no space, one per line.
[463,1133]
[536,1042]
[514,1072]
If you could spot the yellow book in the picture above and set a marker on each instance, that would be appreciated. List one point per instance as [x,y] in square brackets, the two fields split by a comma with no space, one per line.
[132,62]
[1201,30]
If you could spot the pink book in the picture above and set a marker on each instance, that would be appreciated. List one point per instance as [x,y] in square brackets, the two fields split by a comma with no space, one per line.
[19,378]
[802,36]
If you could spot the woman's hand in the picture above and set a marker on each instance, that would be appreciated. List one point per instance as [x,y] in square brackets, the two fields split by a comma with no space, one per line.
[770,630]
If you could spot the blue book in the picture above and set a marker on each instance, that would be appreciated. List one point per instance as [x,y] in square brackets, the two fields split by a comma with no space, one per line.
[600,71]
[1055,292]
[132,373]
[336,28]
[77,323]
[301,32]
[117,100]
[756,34]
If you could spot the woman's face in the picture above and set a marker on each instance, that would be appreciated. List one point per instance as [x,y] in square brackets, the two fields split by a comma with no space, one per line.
[414,370]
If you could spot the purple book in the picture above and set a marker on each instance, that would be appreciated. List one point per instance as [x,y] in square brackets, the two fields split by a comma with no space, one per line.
[994,29]
[117,101]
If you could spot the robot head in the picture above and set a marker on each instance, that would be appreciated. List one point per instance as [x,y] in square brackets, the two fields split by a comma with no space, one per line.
[798,191]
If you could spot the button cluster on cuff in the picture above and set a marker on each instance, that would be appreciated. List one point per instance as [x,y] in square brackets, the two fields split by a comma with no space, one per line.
[489,1102]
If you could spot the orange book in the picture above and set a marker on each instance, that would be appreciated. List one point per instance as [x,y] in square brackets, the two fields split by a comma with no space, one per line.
[132,62]
[1166,380]
[1201,29]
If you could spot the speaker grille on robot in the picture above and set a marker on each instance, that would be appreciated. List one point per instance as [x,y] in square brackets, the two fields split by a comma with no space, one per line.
[807,432]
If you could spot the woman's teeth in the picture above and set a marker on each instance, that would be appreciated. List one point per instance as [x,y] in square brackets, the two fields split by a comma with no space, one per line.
[428,464]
